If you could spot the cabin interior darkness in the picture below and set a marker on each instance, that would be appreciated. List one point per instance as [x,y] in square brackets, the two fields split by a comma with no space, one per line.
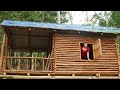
[91,50]
[30,40]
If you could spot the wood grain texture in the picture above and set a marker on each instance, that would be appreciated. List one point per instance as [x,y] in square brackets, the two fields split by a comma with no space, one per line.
[67,51]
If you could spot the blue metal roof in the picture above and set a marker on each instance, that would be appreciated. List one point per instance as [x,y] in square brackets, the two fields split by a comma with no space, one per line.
[61,26]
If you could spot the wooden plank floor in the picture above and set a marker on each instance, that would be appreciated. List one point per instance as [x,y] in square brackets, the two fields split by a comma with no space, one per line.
[62,73]
[58,77]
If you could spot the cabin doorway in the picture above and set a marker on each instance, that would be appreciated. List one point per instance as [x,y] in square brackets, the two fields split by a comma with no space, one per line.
[91,50]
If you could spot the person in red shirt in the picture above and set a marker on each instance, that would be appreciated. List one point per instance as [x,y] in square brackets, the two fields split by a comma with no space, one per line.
[85,52]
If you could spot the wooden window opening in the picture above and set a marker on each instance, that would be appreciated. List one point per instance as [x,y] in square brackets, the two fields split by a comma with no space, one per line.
[95,49]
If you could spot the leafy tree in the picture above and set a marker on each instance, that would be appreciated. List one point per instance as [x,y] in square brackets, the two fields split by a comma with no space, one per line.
[102,18]
[36,16]
[111,19]
[115,22]
[115,19]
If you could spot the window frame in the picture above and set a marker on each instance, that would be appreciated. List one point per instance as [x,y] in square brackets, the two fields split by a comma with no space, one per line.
[80,52]
[93,49]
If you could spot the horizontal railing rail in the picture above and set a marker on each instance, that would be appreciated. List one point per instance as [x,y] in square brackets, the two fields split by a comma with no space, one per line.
[28,57]
[27,63]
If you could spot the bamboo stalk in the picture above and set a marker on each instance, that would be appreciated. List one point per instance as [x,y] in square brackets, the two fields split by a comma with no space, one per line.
[3,63]
[35,65]
[10,64]
[51,65]
[32,60]
[27,64]
[19,61]
[43,64]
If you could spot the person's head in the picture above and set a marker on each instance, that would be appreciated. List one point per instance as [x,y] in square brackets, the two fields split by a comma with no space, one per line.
[85,44]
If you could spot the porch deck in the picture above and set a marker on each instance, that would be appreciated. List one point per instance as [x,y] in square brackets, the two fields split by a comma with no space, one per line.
[59,75]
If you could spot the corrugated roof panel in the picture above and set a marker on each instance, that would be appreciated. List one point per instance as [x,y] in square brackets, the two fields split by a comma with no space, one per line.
[61,26]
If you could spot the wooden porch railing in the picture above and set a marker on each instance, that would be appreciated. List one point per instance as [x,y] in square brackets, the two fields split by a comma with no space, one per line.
[25,63]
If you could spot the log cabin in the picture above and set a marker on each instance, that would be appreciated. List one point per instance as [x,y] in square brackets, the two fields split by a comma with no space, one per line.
[61,44]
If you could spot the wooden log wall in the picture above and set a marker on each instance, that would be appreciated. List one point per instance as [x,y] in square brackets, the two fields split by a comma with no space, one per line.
[67,53]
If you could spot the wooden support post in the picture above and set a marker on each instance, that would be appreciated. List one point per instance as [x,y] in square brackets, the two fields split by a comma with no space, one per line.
[52,53]
[17,45]
[10,58]
[32,61]
[6,50]
[3,63]
[7,60]
[2,52]
[54,37]
[26,43]
[26,39]
[6,46]
[17,40]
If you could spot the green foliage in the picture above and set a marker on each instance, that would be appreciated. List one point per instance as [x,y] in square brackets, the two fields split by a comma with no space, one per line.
[1,36]
[118,40]
[112,21]
[36,16]
[102,22]
[115,22]
[115,19]
[102,18]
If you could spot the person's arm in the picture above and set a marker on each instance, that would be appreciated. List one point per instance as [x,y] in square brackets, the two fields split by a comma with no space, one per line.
[88,56]
[88,53]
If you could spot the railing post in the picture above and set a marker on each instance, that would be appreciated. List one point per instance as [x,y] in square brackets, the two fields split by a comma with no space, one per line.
[27,64]
[43,63]
[3,63]
[35,65]
[19,61]
[51,64]
[10,64]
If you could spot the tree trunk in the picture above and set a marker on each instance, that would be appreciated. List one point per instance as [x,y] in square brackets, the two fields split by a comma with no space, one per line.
[87,17]
[70,16]
[59,20]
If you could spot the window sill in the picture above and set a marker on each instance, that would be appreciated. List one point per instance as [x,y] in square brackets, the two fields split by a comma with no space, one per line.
[86,60]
